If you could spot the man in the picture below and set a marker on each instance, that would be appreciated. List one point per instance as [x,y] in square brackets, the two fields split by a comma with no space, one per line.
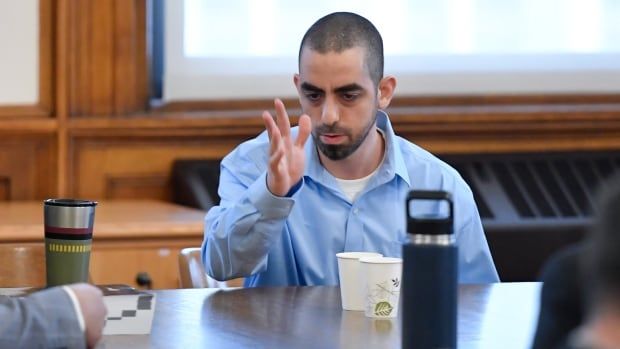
[290,202]
[60,317]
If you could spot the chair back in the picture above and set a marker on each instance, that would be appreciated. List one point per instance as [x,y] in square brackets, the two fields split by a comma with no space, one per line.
[22,265]
[195,182]
[192,273]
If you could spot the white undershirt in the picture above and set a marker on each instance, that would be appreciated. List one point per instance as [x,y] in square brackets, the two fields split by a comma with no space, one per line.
[353,187]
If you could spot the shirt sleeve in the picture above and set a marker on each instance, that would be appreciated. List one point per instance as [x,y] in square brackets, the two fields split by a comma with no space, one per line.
[44,319]
[76,306]
[476,264]
[240,231]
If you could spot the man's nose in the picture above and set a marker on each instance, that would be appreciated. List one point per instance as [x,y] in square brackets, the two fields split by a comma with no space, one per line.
[329,114]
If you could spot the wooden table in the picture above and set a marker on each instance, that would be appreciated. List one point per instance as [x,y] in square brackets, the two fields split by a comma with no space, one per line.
[490,316]
[129,236]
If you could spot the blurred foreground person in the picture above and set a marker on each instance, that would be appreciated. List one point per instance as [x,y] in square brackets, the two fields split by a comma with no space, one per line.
[601,269]
[580,298]
[70,316]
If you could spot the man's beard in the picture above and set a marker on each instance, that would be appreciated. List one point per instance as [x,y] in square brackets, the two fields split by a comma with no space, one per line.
[341,151]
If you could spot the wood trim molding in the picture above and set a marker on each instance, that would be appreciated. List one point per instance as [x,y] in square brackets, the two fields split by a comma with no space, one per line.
[28,126]
[400,101]
[46,54]
[22,111]
[449,129]
[477,116]
[444,124]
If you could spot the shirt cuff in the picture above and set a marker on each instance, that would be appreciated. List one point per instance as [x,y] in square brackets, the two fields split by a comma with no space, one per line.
[269,205]
[295,188]
[76,306]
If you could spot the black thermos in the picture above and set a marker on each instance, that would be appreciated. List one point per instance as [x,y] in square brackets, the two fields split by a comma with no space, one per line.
[430,275]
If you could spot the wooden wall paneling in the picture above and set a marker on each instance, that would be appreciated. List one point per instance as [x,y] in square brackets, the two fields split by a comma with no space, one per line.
[107,49]
[141,92]
[27,167]
[474,124]
[129,186]
[5,188]
[125,50]
[62,45]
[102,30]
[510,128]
[115,264]
[79,50]
[130,79]
[46,167]
[124,158]
[136,167]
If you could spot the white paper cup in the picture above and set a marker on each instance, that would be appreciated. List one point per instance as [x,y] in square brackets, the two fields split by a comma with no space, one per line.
[381,277]
[351,288]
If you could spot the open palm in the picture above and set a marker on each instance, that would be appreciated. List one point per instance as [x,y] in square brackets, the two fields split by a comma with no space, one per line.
[286,157]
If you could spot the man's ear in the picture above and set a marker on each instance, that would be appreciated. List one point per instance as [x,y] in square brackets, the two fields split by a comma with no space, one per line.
[296,81]
[387,85]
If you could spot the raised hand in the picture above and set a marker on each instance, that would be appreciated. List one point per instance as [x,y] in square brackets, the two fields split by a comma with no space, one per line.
[286,157]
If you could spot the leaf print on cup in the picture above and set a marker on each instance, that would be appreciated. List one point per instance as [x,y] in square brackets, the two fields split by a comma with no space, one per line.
[383,308]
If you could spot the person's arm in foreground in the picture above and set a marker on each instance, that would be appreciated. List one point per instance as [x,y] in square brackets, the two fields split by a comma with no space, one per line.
[240,231]
[48,319]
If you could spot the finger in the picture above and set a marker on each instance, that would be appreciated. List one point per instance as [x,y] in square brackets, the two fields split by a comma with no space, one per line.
[275,142]
[304,130]
[269,122]
[272,131]
[275,160]
[282,118]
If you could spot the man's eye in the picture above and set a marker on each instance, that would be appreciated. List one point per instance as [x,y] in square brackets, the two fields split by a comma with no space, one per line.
[349,97]
[313,96]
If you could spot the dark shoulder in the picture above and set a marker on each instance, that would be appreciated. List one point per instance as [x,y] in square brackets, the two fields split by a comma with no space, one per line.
[563,266]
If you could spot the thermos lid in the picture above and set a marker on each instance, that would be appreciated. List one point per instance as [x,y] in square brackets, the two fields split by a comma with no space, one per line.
[430,223]
[69,202]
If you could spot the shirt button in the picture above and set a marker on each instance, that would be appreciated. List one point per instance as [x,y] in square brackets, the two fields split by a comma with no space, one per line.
[355,211]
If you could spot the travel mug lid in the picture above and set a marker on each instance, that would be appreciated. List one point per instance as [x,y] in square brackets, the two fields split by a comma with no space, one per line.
[70,202]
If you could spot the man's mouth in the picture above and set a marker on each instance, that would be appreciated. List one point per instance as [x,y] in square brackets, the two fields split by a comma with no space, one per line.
[332,138]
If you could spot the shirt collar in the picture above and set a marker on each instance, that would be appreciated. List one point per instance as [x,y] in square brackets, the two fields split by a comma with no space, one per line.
[393,163]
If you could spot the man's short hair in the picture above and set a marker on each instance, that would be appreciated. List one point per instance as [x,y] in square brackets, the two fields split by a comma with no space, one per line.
[340,31]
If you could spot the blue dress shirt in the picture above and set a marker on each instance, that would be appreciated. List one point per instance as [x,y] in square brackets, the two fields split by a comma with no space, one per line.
[294,240]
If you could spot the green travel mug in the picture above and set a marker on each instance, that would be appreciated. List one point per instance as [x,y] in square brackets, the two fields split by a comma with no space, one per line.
[68,239]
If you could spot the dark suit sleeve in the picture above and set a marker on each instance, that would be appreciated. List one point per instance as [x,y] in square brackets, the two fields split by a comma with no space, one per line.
[45,319]
[561,300]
